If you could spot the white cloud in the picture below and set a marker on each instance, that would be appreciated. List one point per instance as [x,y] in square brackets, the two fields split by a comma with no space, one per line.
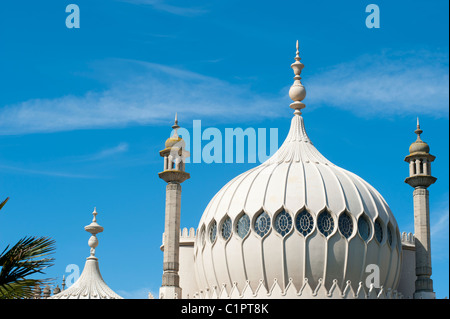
[118,149]
[44,172]
[440,220]
[166,7]
[391,83]
[151,94]
[141,93]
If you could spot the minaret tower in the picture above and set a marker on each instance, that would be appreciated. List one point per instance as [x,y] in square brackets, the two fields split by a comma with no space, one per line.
[420,178]
[174,155]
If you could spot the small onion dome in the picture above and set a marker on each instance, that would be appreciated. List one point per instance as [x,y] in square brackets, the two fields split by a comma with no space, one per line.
[172,141]
[175,141]
[419,146]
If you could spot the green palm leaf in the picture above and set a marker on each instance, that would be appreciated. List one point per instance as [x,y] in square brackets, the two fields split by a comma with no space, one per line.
[30,255]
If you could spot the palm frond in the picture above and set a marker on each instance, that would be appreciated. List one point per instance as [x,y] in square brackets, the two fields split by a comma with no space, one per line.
[23,288]
[30,255]
[4,202]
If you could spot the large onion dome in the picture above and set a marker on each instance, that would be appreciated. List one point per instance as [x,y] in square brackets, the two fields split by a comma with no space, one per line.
[295,218]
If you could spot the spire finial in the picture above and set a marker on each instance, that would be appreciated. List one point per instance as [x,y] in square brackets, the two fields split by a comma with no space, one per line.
[176,126]
[94,229]
[297,91]
[418,131]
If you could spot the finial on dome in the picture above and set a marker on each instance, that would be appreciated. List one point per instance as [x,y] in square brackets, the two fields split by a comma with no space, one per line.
[94,229]
[297,91]
[176,126]
[418,131]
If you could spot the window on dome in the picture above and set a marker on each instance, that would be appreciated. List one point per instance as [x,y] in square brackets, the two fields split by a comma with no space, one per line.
[283,223]
[304,222]
[378,231]
[363,228]
[262,224]
[389,235]
[325,223]
[202,235]
[212,232]
[243,226]
[226,228]
[345,225]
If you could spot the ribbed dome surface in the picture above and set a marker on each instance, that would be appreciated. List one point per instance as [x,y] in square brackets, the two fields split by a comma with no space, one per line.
[90,285]
[296,179]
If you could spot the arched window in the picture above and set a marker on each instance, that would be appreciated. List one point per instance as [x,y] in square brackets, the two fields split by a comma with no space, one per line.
[363,228]
[325,223]
[226,228]
[202,235]
[304,222]
[212,231]
[378,231]
[262,224]
[283,223]
[243,226]
[345,225]
[390,238]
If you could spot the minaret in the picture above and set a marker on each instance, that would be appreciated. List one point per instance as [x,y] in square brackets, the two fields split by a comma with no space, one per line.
[420,178]
[174,155]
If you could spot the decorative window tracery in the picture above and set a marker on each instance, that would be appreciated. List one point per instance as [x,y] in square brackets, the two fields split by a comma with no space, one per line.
[213,232]
[345,225]
[325,223]
[262,224]
[283,223]
[226,228]
[243,226]
[378,231]
[363,228]
[304,222]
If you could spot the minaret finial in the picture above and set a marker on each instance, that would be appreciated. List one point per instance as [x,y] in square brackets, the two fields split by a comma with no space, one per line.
[418,131]
[297,91]
[176,126]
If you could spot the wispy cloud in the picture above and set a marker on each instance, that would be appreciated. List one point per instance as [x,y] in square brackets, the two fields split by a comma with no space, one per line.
[27,171]
[143,93]
[118,149]
[440,220]
[163,5]
[390,83]
[147,94]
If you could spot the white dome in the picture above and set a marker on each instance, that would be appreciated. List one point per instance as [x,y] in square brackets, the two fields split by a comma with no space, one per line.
[318,218]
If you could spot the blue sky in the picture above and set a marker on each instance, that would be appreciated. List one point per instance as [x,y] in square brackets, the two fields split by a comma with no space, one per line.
[84,112]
